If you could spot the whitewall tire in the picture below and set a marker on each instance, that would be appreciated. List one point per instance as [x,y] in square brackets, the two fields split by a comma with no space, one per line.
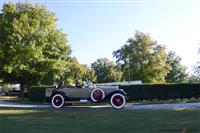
[97,95]
[118,101]
[58,101]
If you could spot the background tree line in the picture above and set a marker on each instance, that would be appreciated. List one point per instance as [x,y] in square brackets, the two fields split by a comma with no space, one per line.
[34,51]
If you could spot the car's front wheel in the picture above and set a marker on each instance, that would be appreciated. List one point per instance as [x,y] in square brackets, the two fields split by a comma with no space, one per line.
[58,101]
[118,101]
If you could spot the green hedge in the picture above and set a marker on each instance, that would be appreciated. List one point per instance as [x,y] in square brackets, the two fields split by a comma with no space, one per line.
[162,91]
[37,93]
[139,92]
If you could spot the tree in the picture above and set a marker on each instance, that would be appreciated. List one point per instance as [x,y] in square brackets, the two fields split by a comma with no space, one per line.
[146,58]
[5,88]
[177,73]
[195,77]
[106,71]
[32,50]
[79,71]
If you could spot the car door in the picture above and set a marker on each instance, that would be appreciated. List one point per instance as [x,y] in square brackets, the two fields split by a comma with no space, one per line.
[78,92]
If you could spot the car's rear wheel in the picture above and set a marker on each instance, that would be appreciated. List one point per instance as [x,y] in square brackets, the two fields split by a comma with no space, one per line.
[118,100]
[97,95]
[58,101]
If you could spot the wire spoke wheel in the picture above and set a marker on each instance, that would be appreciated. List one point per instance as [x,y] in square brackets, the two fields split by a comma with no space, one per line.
[97,95]
[118,101]
[57,101]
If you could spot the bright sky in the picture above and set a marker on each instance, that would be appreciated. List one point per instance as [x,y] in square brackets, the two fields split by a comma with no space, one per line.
[96,28]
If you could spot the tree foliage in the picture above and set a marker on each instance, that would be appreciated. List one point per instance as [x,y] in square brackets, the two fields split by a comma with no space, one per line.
[106,71]
[32,49]
[147,59]
[195,77]
[79,71]
[5,88]
[177,73]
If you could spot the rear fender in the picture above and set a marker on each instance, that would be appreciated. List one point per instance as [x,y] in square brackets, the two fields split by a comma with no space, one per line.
[117,91]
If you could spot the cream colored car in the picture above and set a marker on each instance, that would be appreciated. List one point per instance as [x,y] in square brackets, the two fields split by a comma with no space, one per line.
[58,96]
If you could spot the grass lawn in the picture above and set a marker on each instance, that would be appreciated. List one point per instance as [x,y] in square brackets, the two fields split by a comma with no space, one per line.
[99,121]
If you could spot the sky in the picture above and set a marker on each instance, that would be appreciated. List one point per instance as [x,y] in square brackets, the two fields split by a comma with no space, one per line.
[96,28]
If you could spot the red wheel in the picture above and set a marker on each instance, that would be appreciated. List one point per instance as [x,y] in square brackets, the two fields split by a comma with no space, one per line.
[57,101]
[97,95]
[118,101]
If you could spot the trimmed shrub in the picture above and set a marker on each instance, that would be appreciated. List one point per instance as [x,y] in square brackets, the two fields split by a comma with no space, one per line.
[37,93]
[6,88]
[139,92]
[162,91]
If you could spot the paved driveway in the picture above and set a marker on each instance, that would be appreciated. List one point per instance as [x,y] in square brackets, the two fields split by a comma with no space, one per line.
[163,106]
[127,107]
[18,105]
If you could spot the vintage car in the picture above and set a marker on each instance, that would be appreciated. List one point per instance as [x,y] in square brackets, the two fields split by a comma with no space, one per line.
[60,95]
